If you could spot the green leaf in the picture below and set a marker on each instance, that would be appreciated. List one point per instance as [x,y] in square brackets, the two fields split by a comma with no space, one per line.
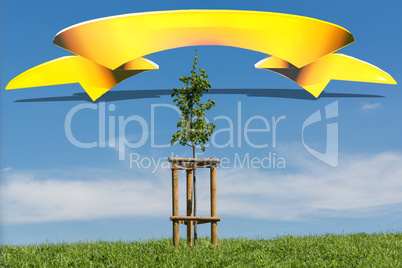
[193,129]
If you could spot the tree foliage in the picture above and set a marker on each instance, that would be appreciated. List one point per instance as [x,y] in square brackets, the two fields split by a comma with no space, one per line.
[193,126]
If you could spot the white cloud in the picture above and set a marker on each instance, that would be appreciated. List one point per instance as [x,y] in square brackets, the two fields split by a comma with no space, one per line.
[370,106]
[360,186]
[27,198]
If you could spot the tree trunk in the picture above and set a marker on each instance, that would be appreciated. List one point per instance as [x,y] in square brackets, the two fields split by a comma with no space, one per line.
[195,201]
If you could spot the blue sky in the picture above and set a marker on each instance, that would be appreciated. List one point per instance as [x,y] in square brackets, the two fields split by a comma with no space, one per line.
[52,190]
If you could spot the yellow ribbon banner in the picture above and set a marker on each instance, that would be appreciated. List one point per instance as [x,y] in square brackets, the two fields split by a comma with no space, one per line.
[111,49]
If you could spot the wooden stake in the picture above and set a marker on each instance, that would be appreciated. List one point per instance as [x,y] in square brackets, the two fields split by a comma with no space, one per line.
[214,227]
[175,201]
[191,220]
[190,206]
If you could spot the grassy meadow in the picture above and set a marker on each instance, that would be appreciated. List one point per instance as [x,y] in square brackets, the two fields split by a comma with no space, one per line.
[354,250]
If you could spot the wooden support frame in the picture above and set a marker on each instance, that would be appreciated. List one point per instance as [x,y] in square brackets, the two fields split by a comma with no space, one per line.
[189,197]
[175,204]
[190,164]
[214,227]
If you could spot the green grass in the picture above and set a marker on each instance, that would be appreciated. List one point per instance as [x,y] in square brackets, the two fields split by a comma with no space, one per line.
[355,250]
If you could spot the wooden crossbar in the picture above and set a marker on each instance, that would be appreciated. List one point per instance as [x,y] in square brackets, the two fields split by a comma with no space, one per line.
[194,160]
[181,168]
[189,168]
[190,220]
[195,218]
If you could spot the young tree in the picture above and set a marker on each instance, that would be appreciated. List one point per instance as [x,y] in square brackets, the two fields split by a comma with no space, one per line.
[193,127]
